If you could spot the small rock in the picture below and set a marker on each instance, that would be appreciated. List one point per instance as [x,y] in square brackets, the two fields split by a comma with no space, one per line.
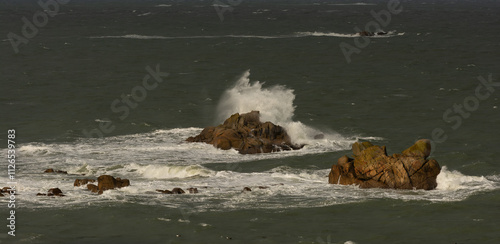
[193,190]
[319,136]
[178,191]
[164,191]
[55,171]
[93,188]
[52,192]
[263,187]
[247,189]
[80,182]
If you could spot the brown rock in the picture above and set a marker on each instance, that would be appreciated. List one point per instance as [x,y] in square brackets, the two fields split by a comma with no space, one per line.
[193,190]
[372,167]
[164,191]
[247,189]
[55,171]
[6,189]
[108,182]
[55,192]
[93,188]
[246,134]
[52,192]
[80,182]
[178,191]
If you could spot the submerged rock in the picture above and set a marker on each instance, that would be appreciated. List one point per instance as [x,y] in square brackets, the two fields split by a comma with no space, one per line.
[55,171]
[371,167]
[52,192]
[246,134]
[81,182]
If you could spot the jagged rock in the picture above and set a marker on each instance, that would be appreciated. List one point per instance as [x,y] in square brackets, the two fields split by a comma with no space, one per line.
[246,134]
[108,182]
[81,182]
[371,167]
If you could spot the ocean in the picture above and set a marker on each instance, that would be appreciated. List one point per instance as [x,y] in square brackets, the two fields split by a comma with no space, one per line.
[115,87]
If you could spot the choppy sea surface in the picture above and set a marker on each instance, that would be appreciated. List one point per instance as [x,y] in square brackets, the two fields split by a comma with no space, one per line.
[115,87]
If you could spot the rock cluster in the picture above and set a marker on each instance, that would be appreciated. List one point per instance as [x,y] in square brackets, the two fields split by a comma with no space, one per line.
[371,167]
[246,134]
[104,182]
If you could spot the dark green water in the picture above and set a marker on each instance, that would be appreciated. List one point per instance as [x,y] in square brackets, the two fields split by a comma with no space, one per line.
[62,84]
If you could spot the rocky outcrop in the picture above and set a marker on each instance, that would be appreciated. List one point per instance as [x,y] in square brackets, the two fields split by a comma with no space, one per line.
[371,167]
[246,134]
[104,182]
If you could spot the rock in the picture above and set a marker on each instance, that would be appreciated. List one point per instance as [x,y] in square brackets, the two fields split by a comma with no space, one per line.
[246,134]
[178,191]
[93,188]
[366,33]
[52,192]
[164,191]
[80,182]
[247,189]
[421,148]
[193,190]
[263,187]
[371,167]
[108,182]
[6,190]
[55,171]
[55,192]
[319,136]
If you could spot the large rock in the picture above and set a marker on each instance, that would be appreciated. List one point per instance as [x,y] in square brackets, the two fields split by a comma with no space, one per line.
[104,182]
[246,134]
[372,167]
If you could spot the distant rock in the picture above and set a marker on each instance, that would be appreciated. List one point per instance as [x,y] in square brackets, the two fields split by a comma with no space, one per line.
[178,191]
[52,192]
[165,191]
[193,190]
[55,171]
[246,134]
[104,182]
[371,167]
[246,189]
[369,33]
[108,182]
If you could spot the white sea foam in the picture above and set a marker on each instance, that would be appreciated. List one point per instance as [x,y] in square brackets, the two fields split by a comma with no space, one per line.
[456,181]
[294,35]
[170,171]
[275,104]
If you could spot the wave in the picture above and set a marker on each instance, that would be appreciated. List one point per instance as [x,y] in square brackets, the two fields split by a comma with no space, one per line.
[275,104]
[294,35]
[170,171]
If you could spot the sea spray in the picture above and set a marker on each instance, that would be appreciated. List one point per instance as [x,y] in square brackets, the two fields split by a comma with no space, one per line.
[275,104]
